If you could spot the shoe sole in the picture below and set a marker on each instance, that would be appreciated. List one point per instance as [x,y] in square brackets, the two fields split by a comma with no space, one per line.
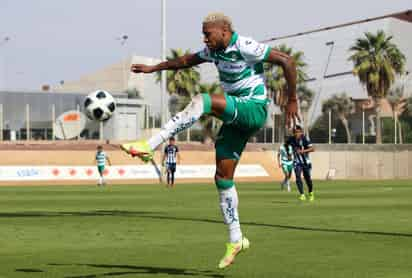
[134,154]
[245,246]
[124,149]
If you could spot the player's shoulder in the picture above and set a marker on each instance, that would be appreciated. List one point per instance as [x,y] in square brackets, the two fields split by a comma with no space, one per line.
[244,41]
[249,44]
[307,139]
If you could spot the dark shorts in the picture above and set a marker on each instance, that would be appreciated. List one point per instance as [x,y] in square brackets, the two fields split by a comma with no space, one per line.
[100,168]
[171,167]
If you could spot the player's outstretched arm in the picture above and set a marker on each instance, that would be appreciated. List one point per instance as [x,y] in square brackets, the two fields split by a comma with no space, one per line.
[289,68]
[186,61]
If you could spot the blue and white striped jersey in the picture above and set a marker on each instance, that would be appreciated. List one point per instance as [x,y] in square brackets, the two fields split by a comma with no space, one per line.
[302,143]
[171,153]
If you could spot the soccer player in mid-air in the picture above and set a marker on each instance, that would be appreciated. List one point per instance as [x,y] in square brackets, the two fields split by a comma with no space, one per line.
[101,158]
[242,108]
[171,157]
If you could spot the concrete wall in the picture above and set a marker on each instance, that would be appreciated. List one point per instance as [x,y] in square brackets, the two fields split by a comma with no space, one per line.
[363,161]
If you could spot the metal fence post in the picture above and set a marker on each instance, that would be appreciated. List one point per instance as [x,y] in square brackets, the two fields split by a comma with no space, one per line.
[273,128]
[396,130]
[330,126]
[53,115]
[363,125]
[27,122]
[1,121]
[101,131]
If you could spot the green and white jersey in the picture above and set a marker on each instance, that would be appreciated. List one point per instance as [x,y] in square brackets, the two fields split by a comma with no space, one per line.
[101,158]
[284,157]
[240,67]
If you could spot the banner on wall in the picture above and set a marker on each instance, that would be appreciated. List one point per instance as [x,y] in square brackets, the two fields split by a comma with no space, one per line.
[38,173]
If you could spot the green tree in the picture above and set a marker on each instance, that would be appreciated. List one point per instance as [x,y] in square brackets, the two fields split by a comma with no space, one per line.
[398,103]
[275,78]
[376,61]
[341,106]
[406,119]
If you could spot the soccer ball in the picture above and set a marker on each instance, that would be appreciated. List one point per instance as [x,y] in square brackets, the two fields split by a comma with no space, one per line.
[99,105]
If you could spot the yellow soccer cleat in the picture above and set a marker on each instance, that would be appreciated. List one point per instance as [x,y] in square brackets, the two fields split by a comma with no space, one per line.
[302,197]
[232,249]
[311,196]
[140,149]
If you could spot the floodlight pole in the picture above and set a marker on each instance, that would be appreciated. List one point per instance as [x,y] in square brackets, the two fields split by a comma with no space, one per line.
[163,58]
[3,42]
[331,44]
[330,126]
[123,40]
[363,124]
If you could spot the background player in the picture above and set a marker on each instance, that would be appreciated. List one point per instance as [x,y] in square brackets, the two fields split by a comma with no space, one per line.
[101,158]
[302,146]
[242,108]
[171,157]
[285,162]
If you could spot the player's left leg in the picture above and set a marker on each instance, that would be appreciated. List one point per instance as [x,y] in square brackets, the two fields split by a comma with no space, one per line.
[168,176]
[172,177]
[289,177]
[199,105]
[100,169]
[308,179]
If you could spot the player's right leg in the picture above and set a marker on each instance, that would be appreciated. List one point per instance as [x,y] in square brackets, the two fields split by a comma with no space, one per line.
[200,104]
[299,182]
[241,118]
[309,183]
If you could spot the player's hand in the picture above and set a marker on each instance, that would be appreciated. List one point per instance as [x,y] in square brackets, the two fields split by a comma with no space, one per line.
[292,112]
[140,68]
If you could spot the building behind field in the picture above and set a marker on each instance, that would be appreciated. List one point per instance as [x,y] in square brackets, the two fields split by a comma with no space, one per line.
[32,115]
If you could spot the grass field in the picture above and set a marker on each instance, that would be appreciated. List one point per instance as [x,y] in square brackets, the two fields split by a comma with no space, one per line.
[353,229]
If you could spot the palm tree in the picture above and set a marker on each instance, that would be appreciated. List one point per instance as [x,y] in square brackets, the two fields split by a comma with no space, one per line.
[305,97]
[275,78]
[398,103]
[183,84]
[340,105]
[376,61]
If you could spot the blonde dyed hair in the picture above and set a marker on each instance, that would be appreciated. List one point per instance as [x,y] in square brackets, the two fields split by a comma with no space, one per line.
[218,17]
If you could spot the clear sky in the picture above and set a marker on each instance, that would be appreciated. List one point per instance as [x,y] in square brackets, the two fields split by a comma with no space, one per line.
[53,40]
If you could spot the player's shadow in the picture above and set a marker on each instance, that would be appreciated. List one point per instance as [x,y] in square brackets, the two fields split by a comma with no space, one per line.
[118,270]
[160,215]
[76,213]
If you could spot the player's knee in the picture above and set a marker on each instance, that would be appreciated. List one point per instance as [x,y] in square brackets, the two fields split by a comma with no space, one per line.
[195,102]
[223,184]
